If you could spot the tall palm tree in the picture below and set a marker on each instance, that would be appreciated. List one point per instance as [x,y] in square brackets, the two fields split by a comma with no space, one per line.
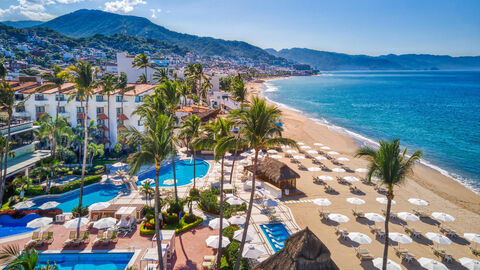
[21,182]
[3,70]
[7,104]
[147,190]
[239,90]
[258,125]
[123,87]
[391,165]
[52,130]
[190,131]
[109,84]
[160,75]
[47,169]
[83,76]
[3,142]
[142,61]
[205,88]
[184,91]
[155,143]
[58,79]
[95,150]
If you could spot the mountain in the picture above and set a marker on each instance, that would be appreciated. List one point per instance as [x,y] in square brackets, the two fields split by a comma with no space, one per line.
[85,23]
[323,60]
[22,24]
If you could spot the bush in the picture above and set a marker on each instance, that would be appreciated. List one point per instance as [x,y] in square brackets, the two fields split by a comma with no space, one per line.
[75,184]
[34,190]
[185,227]
[146,231]
[176,207]
[80,211]
[229,231]
[20,213]
[209,202]
[171,218]
[187,218]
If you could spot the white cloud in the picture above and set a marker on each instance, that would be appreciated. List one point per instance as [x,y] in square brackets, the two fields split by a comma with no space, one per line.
[31,9]
[124,6]
[154,12]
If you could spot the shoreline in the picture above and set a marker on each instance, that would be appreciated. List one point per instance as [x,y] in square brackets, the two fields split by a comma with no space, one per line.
[424,174]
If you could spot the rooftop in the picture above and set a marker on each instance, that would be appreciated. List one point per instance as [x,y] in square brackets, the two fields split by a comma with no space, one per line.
[18,164]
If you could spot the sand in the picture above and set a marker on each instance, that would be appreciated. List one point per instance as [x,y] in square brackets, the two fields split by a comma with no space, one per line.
[443,194]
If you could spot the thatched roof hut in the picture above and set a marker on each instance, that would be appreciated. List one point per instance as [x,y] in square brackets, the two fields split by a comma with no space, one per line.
[274,170]
[303,251]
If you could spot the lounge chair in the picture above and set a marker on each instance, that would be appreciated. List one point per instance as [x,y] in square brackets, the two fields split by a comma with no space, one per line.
[420,214]
[79,240]
[363,254]
[447,231]
[71,238]
[374,229]
[399,251]
[392,214]
[98,240]
[207,265]
[354,189]
[342,232]
[209,258]
[412,232]
[380,233]
[475,251]
[358,214]
[323,213]
[409,257]
[47,237]
[34,240]
[329,189]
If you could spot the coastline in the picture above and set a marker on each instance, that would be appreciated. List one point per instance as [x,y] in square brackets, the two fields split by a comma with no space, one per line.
[428,178]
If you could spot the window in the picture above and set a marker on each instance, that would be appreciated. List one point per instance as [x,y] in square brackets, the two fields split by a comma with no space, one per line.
[138,99]
[100,110]
[40,109]
[139,123]
[19,97]
[100,122]
[79,109]
[119,98]
[20,109]
[60,97]
[77,99]
[61,109]
[119,110]
[99,98]
[39,97]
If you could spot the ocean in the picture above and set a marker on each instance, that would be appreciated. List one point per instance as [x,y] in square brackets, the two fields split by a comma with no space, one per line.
[437,112]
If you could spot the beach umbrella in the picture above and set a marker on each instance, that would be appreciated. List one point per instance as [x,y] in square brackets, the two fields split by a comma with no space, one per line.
[360,238]
[322,202]
[375,217]
[443,217]
[244,154]
[325,177]
[168,182]
[285,146]
[269,203]
[228,154]
[361,170]
[384,200]
[252,252]
[75,223]
[470,264]
[431,264]
[98,206]
[305,147]
[320,158]
[351,178]
[298,157]
[354,200]
[272,151]
[291,151]
[343,159]
[49,205]
[333,153]
[39,222]
[391,265]
[312,152]
[338,218]
[118,164]
[418,202]
[249,183]
[300,143]
[318,144]
[438,238]
[325,148]
[238,234]
[472,237]
[408,216]
[400,238]
[212,241]
[338,170]
[23,205]
[237,220]
[148,180]
[105,223]
[215,223]
[234,201]
[276,156]
[314,169]
[230,195]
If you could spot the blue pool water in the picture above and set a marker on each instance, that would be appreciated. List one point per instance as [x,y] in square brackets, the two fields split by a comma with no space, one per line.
[86,261]
[91,194]
[183,170]
[10,226]
[276,234]
[435,111]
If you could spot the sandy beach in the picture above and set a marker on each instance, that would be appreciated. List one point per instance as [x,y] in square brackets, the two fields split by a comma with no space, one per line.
[442,193]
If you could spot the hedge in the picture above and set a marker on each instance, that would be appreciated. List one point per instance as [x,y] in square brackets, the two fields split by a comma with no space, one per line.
[183,227]
[145,231]
[75,184]
[20,213]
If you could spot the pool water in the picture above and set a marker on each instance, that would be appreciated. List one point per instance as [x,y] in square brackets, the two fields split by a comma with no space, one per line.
[91,194]
[10,226]
[183,170]
[276,234]
[86,261]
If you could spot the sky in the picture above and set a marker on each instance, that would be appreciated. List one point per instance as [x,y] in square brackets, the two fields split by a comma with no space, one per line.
[372,27]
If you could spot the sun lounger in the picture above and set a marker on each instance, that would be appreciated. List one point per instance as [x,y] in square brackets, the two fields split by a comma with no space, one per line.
[341,231]
[99,239]
[475,251]
[209,258]
[399,251]
[447,231]
[374,229]
[412,231]
[323,213]
[207,265]
[363,254]
[329,189]
[409,257]
[354,189]
[71,238]
[420,214]
[151,266]
[358,214]
[392,214]
[34,240]
[380,233]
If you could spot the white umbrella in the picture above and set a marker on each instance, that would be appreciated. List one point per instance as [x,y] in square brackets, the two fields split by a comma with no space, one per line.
[400,238]
[325,148]
[234,201]
[320,158]
[314,169]
[391,265]
[272,151]
[228,154]
[407,216]
[291,151]
[39,222]
[431,264]
[49,205]
[325,177]
[98,206]
[359,238]
[285,146]
[472,237]
[318,144]
[105,223]
[168,182]
[305,147]
[252,252]
[261,192]
[23,205]
[312,152]
[438,238]
[148,180]
[375,217]
[443,217]
[470,264]
[212,241]
[333,153]
[118,164]
[276,156]
[300,143]
[215,223]
[354,200]
[361,170]
[237,220]
[230,195]
[75,223]
[269,203]
[343,159]
[322,202]
[383,200]
[249,183]
[417,201]
[237,235]
[298,157]
[338,218]
[351,178]
[338,170]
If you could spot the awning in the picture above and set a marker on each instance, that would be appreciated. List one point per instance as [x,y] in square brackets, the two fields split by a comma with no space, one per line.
[166,235]
[102,116]
[126,211]
[151,254]
[122,117]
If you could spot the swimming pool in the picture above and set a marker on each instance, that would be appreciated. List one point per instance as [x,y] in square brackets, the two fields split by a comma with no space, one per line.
[86,261]
[276,234]
[10,226]
[91,194]
[183,169]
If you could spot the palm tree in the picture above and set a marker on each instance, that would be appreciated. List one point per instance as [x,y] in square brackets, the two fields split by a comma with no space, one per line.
[259,127]
[239,90]
[48,169]
[147,190]
[190,130]
[83,76]
[52,130]
[3,142]
[95,150]
[3,70]
[142,61]
[7,104]
[205,88]
[123,87]
[184,91]
[160,75]
[155,144]
[56,77]
[21,182]
[391,166]
[108,83]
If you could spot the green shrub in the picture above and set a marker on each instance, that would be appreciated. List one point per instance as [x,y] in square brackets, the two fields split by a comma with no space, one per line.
[171,218]
[186,227]
[34,190]
[80,211]
[75,184]
[146,231]
[209,202]
[229,231]
[187,218]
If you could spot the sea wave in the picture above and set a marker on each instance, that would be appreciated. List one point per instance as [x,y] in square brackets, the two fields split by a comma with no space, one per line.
[363,141]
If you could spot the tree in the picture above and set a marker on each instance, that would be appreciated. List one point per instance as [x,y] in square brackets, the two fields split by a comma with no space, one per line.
[142,79]
[83,76]
[155,143]
[184,91]
[205,88]
[7,104]
[109,83]
[391,166]
[160,75]
[258,125]
[190,131]
[123,87]
[47,169]
[56,77]
[148,191]
[238,90]
[21,182]
[95,150]
[142,61]
[3,149]
[52,131]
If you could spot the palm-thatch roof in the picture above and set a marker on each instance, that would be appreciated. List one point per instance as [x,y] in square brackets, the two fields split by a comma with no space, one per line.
[303,251]
[274,170]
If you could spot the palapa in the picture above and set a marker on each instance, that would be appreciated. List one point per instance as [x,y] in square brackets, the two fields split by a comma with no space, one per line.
[276,171]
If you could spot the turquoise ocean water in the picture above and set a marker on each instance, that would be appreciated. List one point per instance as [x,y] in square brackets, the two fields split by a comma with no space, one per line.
[437,112]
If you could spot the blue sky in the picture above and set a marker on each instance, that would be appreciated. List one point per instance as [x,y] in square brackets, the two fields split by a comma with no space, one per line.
[371,27]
